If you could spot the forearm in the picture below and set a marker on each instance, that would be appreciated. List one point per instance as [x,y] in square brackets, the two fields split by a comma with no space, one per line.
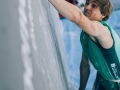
[67,9]
[84,72]
[84,75]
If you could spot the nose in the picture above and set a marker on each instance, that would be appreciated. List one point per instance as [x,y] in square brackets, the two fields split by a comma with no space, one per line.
[88,7]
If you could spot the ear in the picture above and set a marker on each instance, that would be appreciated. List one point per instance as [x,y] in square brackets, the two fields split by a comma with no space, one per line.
[103,16]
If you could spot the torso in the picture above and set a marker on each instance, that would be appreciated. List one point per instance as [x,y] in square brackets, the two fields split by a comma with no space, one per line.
[108,51]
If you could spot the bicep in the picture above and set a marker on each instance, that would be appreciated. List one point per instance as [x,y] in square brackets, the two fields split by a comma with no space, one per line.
[90,27]
[74,14]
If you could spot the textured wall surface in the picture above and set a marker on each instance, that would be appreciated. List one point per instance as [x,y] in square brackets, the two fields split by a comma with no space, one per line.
[32,55]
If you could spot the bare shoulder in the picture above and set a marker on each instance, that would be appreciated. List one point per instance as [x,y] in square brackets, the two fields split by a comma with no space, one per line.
[104,37]
[102,30]
[99,25]
[93,28]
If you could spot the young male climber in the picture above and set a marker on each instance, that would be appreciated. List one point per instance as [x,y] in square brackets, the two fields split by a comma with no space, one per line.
[100,43]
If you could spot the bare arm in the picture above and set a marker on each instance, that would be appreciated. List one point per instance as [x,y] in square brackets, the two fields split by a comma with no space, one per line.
[74,14]
[93,28]
[84,72]
[65,8]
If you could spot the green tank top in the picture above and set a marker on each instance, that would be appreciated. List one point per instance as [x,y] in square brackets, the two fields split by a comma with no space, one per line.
[92,51]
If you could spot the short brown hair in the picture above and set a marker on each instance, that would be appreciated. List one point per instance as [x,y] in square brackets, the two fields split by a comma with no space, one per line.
[106,8]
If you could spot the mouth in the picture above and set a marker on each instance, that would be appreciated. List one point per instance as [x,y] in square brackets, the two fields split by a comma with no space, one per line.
[86,13]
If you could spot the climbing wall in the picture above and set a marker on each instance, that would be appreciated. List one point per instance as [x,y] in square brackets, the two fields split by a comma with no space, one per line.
[32,55]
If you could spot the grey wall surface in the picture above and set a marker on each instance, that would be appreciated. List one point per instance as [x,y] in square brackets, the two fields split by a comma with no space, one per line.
[32,55]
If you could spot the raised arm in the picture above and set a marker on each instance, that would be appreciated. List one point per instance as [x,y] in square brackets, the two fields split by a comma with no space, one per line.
[84,72]
[67,9]
[74,14]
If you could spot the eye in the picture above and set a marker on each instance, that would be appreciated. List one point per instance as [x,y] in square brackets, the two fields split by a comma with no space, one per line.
[94,5]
